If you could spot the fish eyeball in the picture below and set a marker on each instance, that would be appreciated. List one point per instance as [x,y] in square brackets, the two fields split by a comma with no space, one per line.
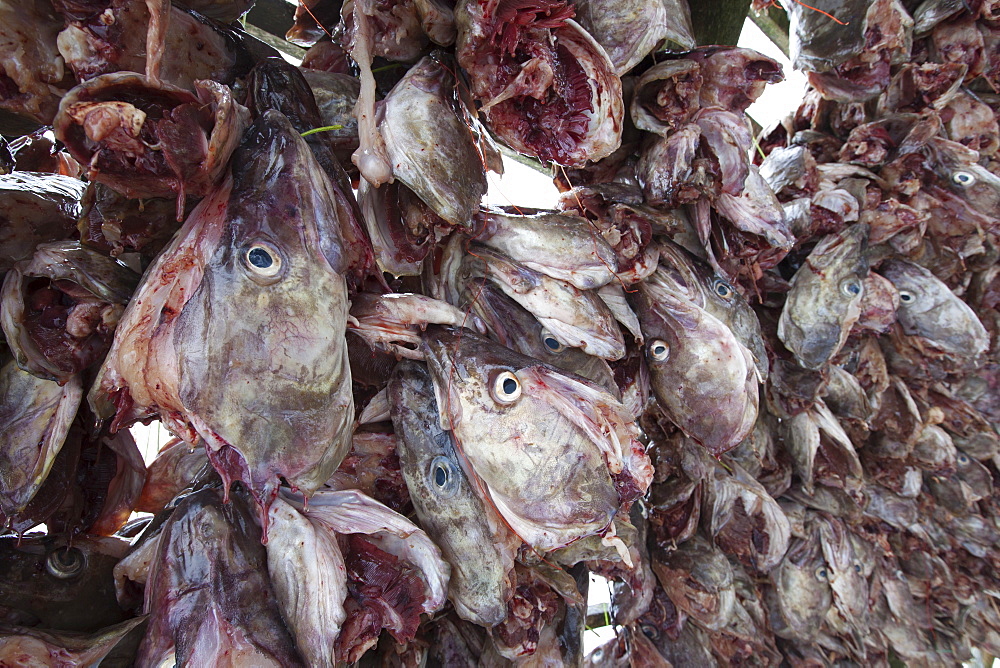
[963,459]
[65,563]
[963,178]
[857,568]
[551,343]
[906,296]
[506,387]
[723,289]
[444,477]
[822,574]
[263,260]
[659,350]
[650,631]
[851,287]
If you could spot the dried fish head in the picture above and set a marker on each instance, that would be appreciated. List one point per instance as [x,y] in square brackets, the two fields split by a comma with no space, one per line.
[556,455]
[824,302]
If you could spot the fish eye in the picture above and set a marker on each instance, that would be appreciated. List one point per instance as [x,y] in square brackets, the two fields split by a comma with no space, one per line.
[822,574]
[906,296]
[723,289]
[963,178]
[851,287]
[659,350]
[963,459]
[551,343]
[506,388]
[650,631]
[857,568]
[263,260]
[444,477]
[65,563]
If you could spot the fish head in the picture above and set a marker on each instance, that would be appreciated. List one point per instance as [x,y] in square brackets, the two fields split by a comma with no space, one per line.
[471,536]
[518,329]
[261,354]
[704,378]
[555,454]
[801,589]
[60,583]
[959,172]
[929,309]
[824,301]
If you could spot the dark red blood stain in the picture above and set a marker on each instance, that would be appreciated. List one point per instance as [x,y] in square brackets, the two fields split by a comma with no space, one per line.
[383,592]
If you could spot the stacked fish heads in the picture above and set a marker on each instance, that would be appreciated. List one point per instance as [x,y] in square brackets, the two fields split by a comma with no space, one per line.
[752,383]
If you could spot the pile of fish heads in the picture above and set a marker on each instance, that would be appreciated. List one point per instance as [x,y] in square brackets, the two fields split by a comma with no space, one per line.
[750,381]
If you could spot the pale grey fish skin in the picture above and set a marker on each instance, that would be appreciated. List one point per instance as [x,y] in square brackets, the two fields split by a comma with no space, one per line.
[960,172]
[666,169]
[35,419]
[471,537]
[824,301]
[575,317]
[846,572]
[704,378]
[430,147]
[515,421]
[561,245]
[719,298]
[930,310]
[800,596]
[516,328]
[36,208]
[309,577]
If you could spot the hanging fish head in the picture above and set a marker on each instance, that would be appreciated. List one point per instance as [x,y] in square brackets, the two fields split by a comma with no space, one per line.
[262,366]
[824,302]
[930,310]
[556,455]
[704,378]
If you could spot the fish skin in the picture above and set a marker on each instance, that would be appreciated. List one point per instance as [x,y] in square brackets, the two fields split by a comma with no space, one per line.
[707,384]
[418,114]
[934,312]
[35,419]
[472,538]
[575,317]
[548,498]
[820,308]
[190,351]
[208,594]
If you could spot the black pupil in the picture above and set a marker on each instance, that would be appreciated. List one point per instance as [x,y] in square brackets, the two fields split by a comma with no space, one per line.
[659,350]
[853,288]
[905,297]
[260,258]
[551,343]
[509,386]
[722,290]
[440,476]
